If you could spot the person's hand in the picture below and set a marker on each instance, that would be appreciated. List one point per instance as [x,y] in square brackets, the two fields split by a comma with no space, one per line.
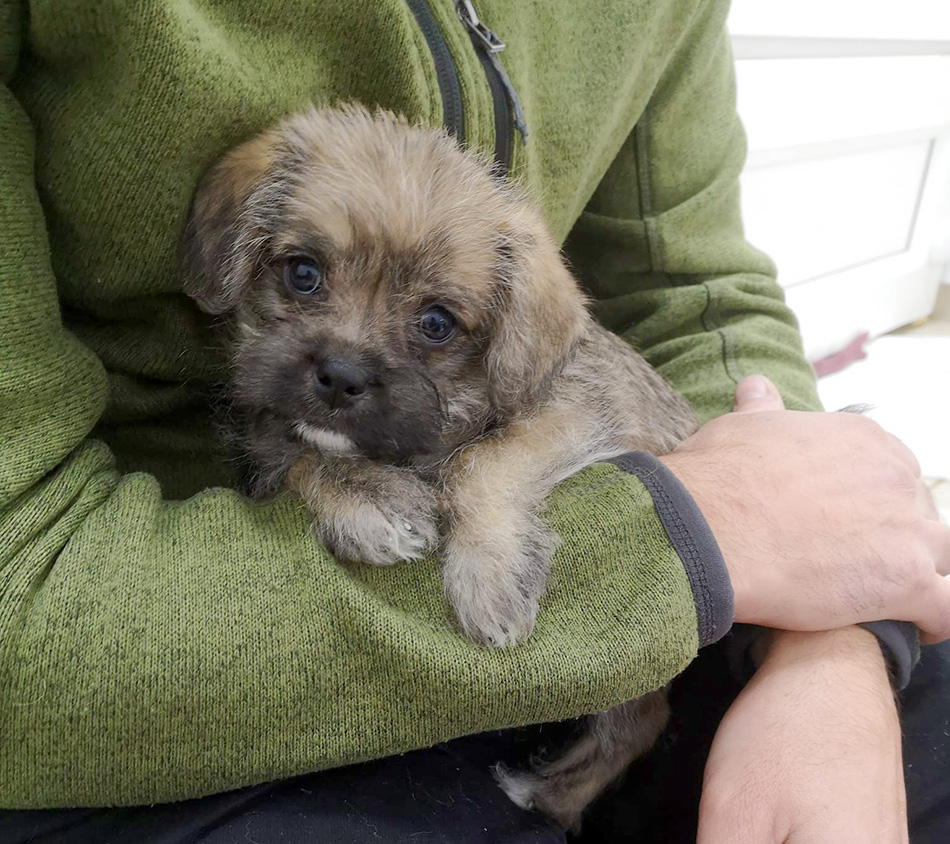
[810,751]
[822,518]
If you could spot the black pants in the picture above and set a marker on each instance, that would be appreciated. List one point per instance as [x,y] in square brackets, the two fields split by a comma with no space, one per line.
[446,793]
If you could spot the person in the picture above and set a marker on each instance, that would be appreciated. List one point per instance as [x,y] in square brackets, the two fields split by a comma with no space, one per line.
[190,658]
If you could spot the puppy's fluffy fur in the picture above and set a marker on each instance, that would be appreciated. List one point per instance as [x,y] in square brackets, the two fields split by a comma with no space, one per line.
[398,441]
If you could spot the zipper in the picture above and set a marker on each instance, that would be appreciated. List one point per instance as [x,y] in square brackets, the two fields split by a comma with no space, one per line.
[452,117]
[505,103]
[506,107]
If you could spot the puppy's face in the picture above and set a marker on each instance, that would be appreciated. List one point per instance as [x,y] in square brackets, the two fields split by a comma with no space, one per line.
[389,297]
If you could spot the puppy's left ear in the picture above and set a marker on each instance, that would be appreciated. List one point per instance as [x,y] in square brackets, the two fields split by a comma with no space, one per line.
[221,243]
[540,316]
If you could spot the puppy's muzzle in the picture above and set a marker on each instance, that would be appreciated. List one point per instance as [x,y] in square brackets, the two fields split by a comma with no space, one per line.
[341,380]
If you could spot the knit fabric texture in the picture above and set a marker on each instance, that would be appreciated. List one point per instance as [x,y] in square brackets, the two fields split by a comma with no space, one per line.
[162,637]
[692,538]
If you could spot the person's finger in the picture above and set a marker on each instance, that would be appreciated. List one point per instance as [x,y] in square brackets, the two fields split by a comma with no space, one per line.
[926,503]
[937,537]
[933,616]
[755,394]
[904,453]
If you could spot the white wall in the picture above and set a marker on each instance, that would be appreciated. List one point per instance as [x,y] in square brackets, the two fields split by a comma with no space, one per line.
[847,108]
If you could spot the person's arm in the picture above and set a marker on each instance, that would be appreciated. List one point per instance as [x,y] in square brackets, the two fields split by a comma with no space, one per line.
[153,650]
[810,751]
[661,248]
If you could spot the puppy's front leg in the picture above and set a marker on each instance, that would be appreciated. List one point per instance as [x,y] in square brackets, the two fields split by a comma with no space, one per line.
[366,511]
[496,552]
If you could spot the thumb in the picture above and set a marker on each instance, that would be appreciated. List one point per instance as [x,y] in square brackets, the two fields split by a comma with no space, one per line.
[755,394]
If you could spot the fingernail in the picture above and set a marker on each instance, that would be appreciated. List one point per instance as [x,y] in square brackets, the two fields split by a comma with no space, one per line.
[751,388]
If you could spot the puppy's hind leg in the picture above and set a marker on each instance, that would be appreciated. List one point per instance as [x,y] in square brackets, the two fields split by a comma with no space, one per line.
[563,787]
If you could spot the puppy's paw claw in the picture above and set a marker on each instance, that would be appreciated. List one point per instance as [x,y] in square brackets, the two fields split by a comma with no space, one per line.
[518,785]
[382,538]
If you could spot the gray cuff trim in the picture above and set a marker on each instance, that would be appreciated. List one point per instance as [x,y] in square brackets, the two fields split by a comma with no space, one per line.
[900,642]
[692,539]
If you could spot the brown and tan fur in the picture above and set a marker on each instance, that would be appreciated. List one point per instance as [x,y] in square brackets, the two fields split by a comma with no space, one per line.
[451,445]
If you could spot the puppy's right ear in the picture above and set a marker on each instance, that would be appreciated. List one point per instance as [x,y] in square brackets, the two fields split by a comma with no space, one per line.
[226,229]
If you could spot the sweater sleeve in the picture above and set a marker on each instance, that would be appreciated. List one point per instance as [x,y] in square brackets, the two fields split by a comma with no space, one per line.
[153,650]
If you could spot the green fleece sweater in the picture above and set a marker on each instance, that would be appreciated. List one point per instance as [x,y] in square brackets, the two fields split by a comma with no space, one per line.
[162,637]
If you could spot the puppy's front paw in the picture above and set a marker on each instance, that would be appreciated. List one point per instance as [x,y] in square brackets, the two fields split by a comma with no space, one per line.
[495,584]
[379,532]
[368,513]
[495,616]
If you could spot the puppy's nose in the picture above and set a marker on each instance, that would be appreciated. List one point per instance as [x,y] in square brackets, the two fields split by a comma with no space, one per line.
[340,381]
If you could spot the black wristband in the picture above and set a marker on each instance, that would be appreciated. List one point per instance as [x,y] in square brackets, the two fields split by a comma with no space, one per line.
[692,539]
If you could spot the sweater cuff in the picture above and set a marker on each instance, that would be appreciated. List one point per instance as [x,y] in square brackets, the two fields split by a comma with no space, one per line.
[900,642]
[691,538]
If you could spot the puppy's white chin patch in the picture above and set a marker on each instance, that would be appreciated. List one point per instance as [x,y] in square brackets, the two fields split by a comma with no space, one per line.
[329,442]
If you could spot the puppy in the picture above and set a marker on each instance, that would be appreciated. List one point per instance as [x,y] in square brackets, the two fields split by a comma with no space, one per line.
[411,355]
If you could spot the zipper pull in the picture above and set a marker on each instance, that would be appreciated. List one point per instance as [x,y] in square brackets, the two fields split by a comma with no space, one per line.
[490,41]
[491,45]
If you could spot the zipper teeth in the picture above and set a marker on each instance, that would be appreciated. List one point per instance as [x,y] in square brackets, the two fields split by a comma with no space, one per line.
[500,109]
[506,106]
[446,74]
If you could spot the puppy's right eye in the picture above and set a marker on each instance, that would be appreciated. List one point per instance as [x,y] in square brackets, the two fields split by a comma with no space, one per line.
[437,325]
[302,275]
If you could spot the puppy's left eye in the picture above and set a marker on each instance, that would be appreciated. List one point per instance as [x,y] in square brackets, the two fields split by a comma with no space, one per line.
[437,325]
[303,275]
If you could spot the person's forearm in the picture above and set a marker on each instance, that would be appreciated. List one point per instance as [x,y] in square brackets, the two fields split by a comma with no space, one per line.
[810,751]
[155,651]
